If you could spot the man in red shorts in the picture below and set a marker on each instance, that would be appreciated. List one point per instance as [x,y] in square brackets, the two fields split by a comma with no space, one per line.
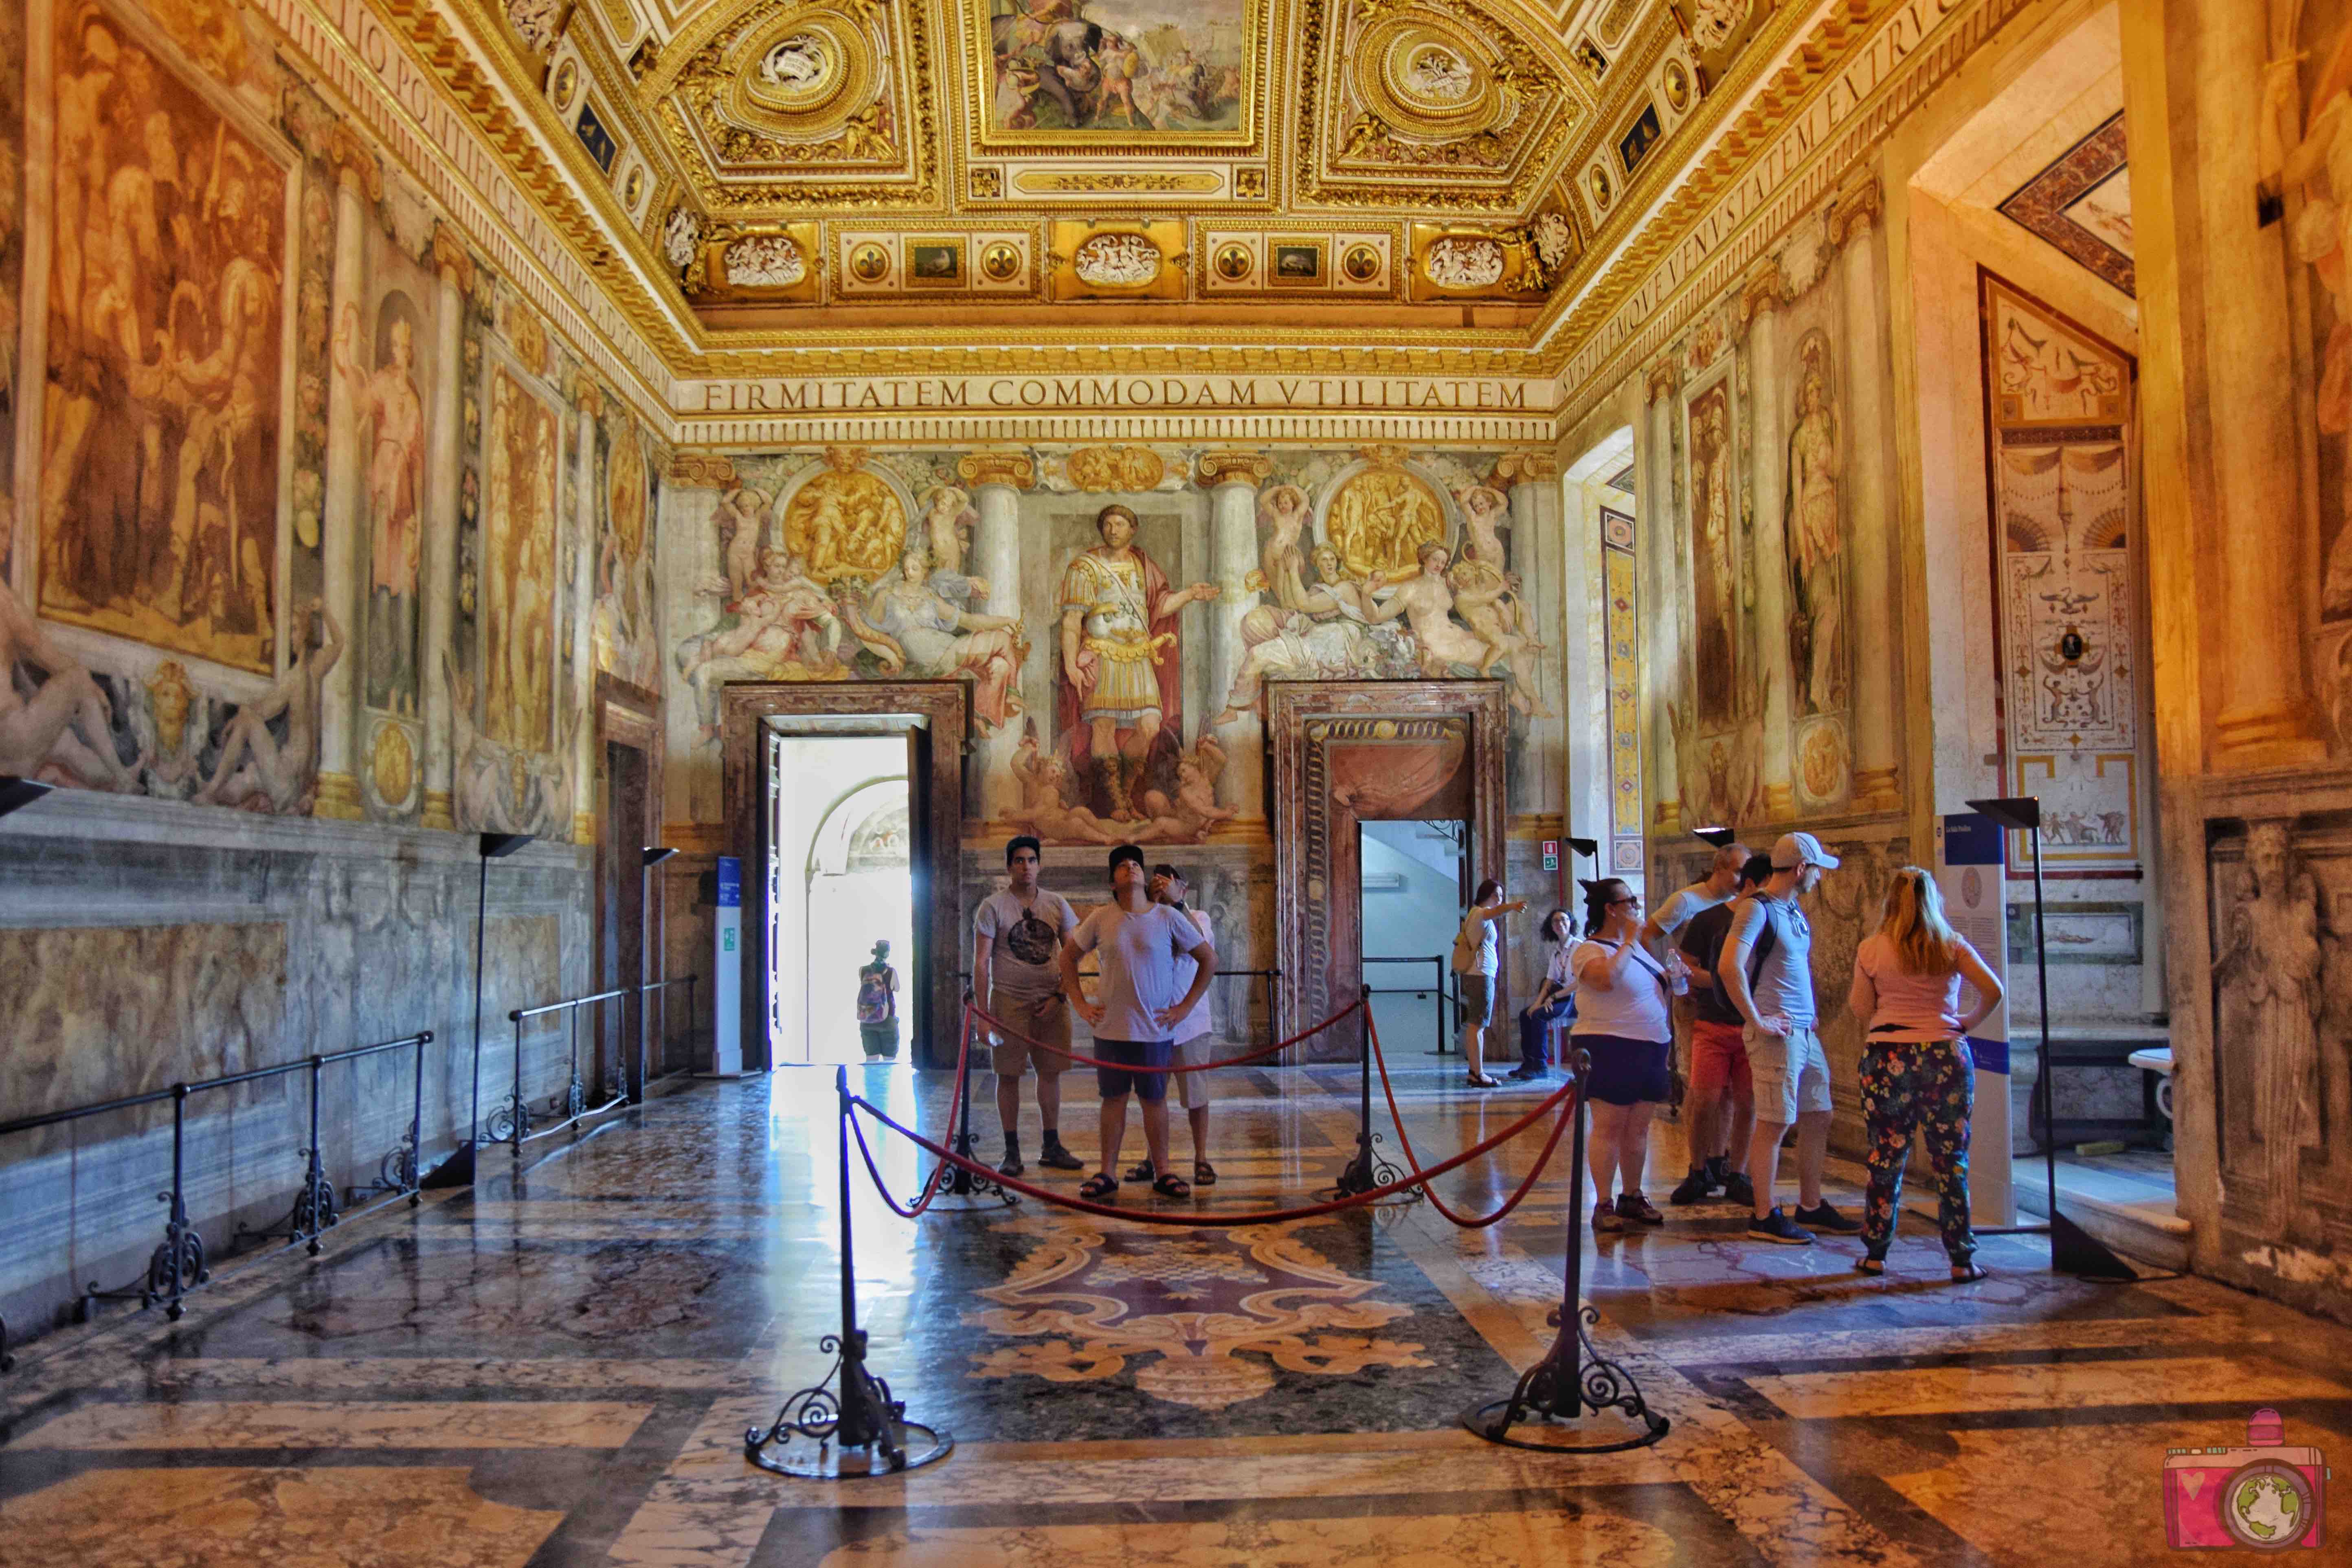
[1718,1056]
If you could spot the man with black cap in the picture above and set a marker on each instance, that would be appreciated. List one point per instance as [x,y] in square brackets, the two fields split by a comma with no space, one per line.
[1016,946]
[1137,942]
[1168,888]
[1767,973]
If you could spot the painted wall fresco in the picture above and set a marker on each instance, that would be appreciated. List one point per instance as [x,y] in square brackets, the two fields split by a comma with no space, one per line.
[2312,109]
[1779,408]
[1140,67]
[192,605]
[1095,614]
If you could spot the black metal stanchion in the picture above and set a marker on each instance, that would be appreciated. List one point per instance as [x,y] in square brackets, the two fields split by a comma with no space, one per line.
[859,1415]
[1556,1390]
[1367,1170]
[959,1182]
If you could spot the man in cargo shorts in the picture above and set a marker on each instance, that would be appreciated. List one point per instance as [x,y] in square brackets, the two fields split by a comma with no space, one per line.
[1016,946]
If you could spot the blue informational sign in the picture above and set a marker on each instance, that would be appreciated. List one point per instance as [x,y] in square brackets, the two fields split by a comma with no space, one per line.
[731,882]
[1970,848]
[1971,838]
[726,998]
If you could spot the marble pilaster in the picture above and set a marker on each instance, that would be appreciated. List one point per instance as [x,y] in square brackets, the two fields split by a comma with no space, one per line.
[453,267]
[1869,552]
[359,183]
[1661,545]
[590,402]
[1768,490]
[1232,480]
[996,480]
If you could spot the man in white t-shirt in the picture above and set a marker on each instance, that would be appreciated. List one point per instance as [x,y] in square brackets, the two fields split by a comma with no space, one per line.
[1168,888]
[1135,1017]
[1016,949]
[1676,911]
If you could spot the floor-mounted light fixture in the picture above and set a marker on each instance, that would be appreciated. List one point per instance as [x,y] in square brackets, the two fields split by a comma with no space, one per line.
[1721,838]
[457,1169]
[2072,1250]
[15,794]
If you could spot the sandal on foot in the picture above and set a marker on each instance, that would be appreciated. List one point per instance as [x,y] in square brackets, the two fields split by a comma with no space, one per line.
[1483,1083]
[1099,1186]
[1172,1185]
[1203,1173]
[1964,1273]
[1870,1265]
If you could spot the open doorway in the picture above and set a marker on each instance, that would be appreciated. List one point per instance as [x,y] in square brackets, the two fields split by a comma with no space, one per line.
[1413,880]
[844,880]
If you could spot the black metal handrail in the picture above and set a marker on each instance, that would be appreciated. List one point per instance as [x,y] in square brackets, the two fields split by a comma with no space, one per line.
[1442,992]
[180,1263]
[511,1122]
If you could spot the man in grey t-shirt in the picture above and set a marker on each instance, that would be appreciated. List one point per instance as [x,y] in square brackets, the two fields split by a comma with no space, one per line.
[1134,1019]
[1785,1059]
[1016,947]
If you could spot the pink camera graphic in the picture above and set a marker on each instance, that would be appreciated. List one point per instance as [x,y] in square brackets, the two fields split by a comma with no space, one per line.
[2265,1495]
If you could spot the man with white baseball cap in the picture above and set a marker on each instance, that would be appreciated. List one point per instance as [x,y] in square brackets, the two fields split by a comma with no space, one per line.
[1768,973]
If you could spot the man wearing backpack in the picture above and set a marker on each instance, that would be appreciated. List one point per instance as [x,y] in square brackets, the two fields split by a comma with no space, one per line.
[878,1006]
[1722,1094]
[1767,972]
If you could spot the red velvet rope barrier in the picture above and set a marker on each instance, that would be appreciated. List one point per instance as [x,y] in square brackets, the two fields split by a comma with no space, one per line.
[955,1107]
[1414,1163]
[1252,1216]
[1011,1034]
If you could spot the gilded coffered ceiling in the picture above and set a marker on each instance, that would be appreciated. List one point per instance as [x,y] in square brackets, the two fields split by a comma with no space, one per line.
[1234,168]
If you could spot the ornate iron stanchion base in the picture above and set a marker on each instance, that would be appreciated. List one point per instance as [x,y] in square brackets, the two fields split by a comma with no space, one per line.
[961,1192]
[509,1123]
[1555,1393]
[316,1210]
[1368,1171]
[858,1429]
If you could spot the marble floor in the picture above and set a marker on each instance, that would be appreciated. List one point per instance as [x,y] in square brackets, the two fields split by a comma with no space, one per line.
[558,1368]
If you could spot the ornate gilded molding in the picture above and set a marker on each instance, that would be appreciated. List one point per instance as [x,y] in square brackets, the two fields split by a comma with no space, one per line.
[1211,469]
[451,258]
[700,472]
[1855,210]
[1527,468]
[1018,469]
[1661,379]
[352,160]
[1761,293]
[1115,468]
[589,398]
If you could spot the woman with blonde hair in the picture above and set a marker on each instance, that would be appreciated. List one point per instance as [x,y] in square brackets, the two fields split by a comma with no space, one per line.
[1916,1070]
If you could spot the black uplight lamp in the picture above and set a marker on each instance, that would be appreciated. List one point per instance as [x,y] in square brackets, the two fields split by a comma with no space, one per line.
[2072,1250]
[457,1169]
[18,792]
[1721,838]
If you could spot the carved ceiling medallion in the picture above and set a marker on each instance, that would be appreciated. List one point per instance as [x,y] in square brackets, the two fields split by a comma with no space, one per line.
[1433,80]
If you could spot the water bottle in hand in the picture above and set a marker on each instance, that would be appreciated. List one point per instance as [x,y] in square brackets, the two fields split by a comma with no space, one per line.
[1677,974]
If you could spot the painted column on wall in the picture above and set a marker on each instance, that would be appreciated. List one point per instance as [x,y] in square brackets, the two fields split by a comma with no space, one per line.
[1666,674]
[357,176]
[1769,453]
[1233,478]
[996,480]
[454,268]
[1534,489]
[1853,227]
[590,402]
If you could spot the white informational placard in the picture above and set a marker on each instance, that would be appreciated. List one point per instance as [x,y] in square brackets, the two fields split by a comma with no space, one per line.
[727,991]
[1969,874]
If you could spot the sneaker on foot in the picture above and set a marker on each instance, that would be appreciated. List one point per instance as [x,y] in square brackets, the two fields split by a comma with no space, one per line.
[1054,1157]
[1776,1226]
[1739,1189]
[1605,1221]
[1695,1187]
[1636,1208]
[1821,1216]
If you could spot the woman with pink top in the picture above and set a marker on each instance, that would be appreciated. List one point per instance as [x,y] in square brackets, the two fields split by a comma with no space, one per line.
[1916,1072]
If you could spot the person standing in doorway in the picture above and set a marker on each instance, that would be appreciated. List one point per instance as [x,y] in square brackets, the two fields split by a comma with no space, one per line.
[1722,1095]
[1137,942]
[1623,1023]
[1767,970]
[1476,961]
[1555,1001]
[1167,889]
[1016,944]
[1917,1073]
[878,1006]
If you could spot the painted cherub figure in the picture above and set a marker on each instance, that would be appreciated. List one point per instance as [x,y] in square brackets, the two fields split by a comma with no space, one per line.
[1045,808]
[1188,818]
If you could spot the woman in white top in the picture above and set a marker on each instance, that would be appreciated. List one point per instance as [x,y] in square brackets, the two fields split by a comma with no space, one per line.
[1476,962]
[1622,1022]
[1917,1070]
[1555,1000]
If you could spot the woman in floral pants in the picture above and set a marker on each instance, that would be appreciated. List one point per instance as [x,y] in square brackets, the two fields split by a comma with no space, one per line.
[1916,1073]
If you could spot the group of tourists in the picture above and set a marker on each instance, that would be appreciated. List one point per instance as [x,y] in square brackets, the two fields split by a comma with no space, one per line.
[1736,945]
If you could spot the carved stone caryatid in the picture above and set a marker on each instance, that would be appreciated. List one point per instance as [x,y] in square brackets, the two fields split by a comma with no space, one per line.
[453,268]
[2269,974]
[1232,478]
[996,480]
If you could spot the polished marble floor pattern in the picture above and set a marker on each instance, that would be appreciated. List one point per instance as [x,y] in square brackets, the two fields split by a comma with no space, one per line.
[557,1368]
